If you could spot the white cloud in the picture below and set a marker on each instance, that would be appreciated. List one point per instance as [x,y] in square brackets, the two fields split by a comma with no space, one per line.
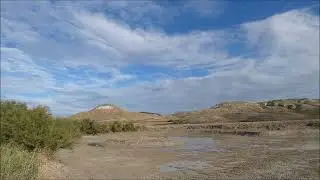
[286,65]
[289,41]
[139,46]
[103,40]
[26,75]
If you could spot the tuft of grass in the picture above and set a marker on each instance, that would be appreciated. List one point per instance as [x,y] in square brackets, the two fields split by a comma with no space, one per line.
[178,121]
[18,163]
[315,124]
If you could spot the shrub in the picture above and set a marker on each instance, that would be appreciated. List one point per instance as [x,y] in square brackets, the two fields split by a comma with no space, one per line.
[178,121]
[61,133]
[24,131]
[34,128]
[88,126]
[275,126]
[92,127]
[290,106]
[116,126]
[270,103]
[17,163]
[315,124]
[128,126]
[122,126]
[104,128]
[298,107]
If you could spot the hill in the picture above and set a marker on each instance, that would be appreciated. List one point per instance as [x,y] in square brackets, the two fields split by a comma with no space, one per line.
[273,110]
[235,111]
[109,112]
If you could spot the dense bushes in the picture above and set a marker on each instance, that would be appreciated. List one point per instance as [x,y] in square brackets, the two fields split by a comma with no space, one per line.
[88,126]
[26,131]
[91,127]
[34,128]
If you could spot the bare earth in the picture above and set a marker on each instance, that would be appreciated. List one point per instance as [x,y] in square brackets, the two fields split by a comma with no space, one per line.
[182,154]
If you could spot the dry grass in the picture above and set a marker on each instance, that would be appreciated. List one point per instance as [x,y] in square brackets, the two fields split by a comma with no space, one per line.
[268,125]
[272,165]
[17,163]
[51,169]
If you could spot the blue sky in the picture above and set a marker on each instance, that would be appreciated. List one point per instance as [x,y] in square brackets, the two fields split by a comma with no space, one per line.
[160,56]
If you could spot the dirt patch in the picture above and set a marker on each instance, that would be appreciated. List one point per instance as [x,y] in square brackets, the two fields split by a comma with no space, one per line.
[52,169]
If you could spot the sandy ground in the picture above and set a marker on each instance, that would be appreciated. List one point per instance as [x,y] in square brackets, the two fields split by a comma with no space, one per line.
[181,154]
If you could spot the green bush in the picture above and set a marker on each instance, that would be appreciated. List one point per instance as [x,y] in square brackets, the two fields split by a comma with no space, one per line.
[17,163]
[290,106]
[315,124]
[275,126]
[25,131]
[270,103]
[88,126]
[104,128]
[91,127]
[178,121]
[116,126]
[298,107]
[61,133]
[35,128]
[122,126]
[129,126]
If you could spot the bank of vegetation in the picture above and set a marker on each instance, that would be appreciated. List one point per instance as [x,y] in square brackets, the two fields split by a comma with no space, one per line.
[26,132]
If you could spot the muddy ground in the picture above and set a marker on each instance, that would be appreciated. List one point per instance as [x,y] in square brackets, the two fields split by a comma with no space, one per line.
[190,154]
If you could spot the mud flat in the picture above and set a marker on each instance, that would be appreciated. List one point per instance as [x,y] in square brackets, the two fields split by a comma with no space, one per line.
[181,154]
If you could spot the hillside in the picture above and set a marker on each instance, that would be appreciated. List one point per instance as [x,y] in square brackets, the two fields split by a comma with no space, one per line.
[273,110]
[109,112]
[236,111]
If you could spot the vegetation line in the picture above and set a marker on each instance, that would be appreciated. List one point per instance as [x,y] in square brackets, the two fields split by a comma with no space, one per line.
[25,132]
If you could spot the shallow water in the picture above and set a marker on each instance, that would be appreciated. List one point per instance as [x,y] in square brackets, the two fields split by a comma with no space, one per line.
[183,166]
[193,144]
[189,147]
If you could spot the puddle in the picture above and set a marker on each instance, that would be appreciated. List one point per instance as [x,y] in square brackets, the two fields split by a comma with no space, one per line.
[183,166]
[194,144]
[96,144]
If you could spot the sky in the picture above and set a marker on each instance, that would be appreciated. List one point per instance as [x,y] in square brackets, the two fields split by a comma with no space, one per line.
[160,56]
